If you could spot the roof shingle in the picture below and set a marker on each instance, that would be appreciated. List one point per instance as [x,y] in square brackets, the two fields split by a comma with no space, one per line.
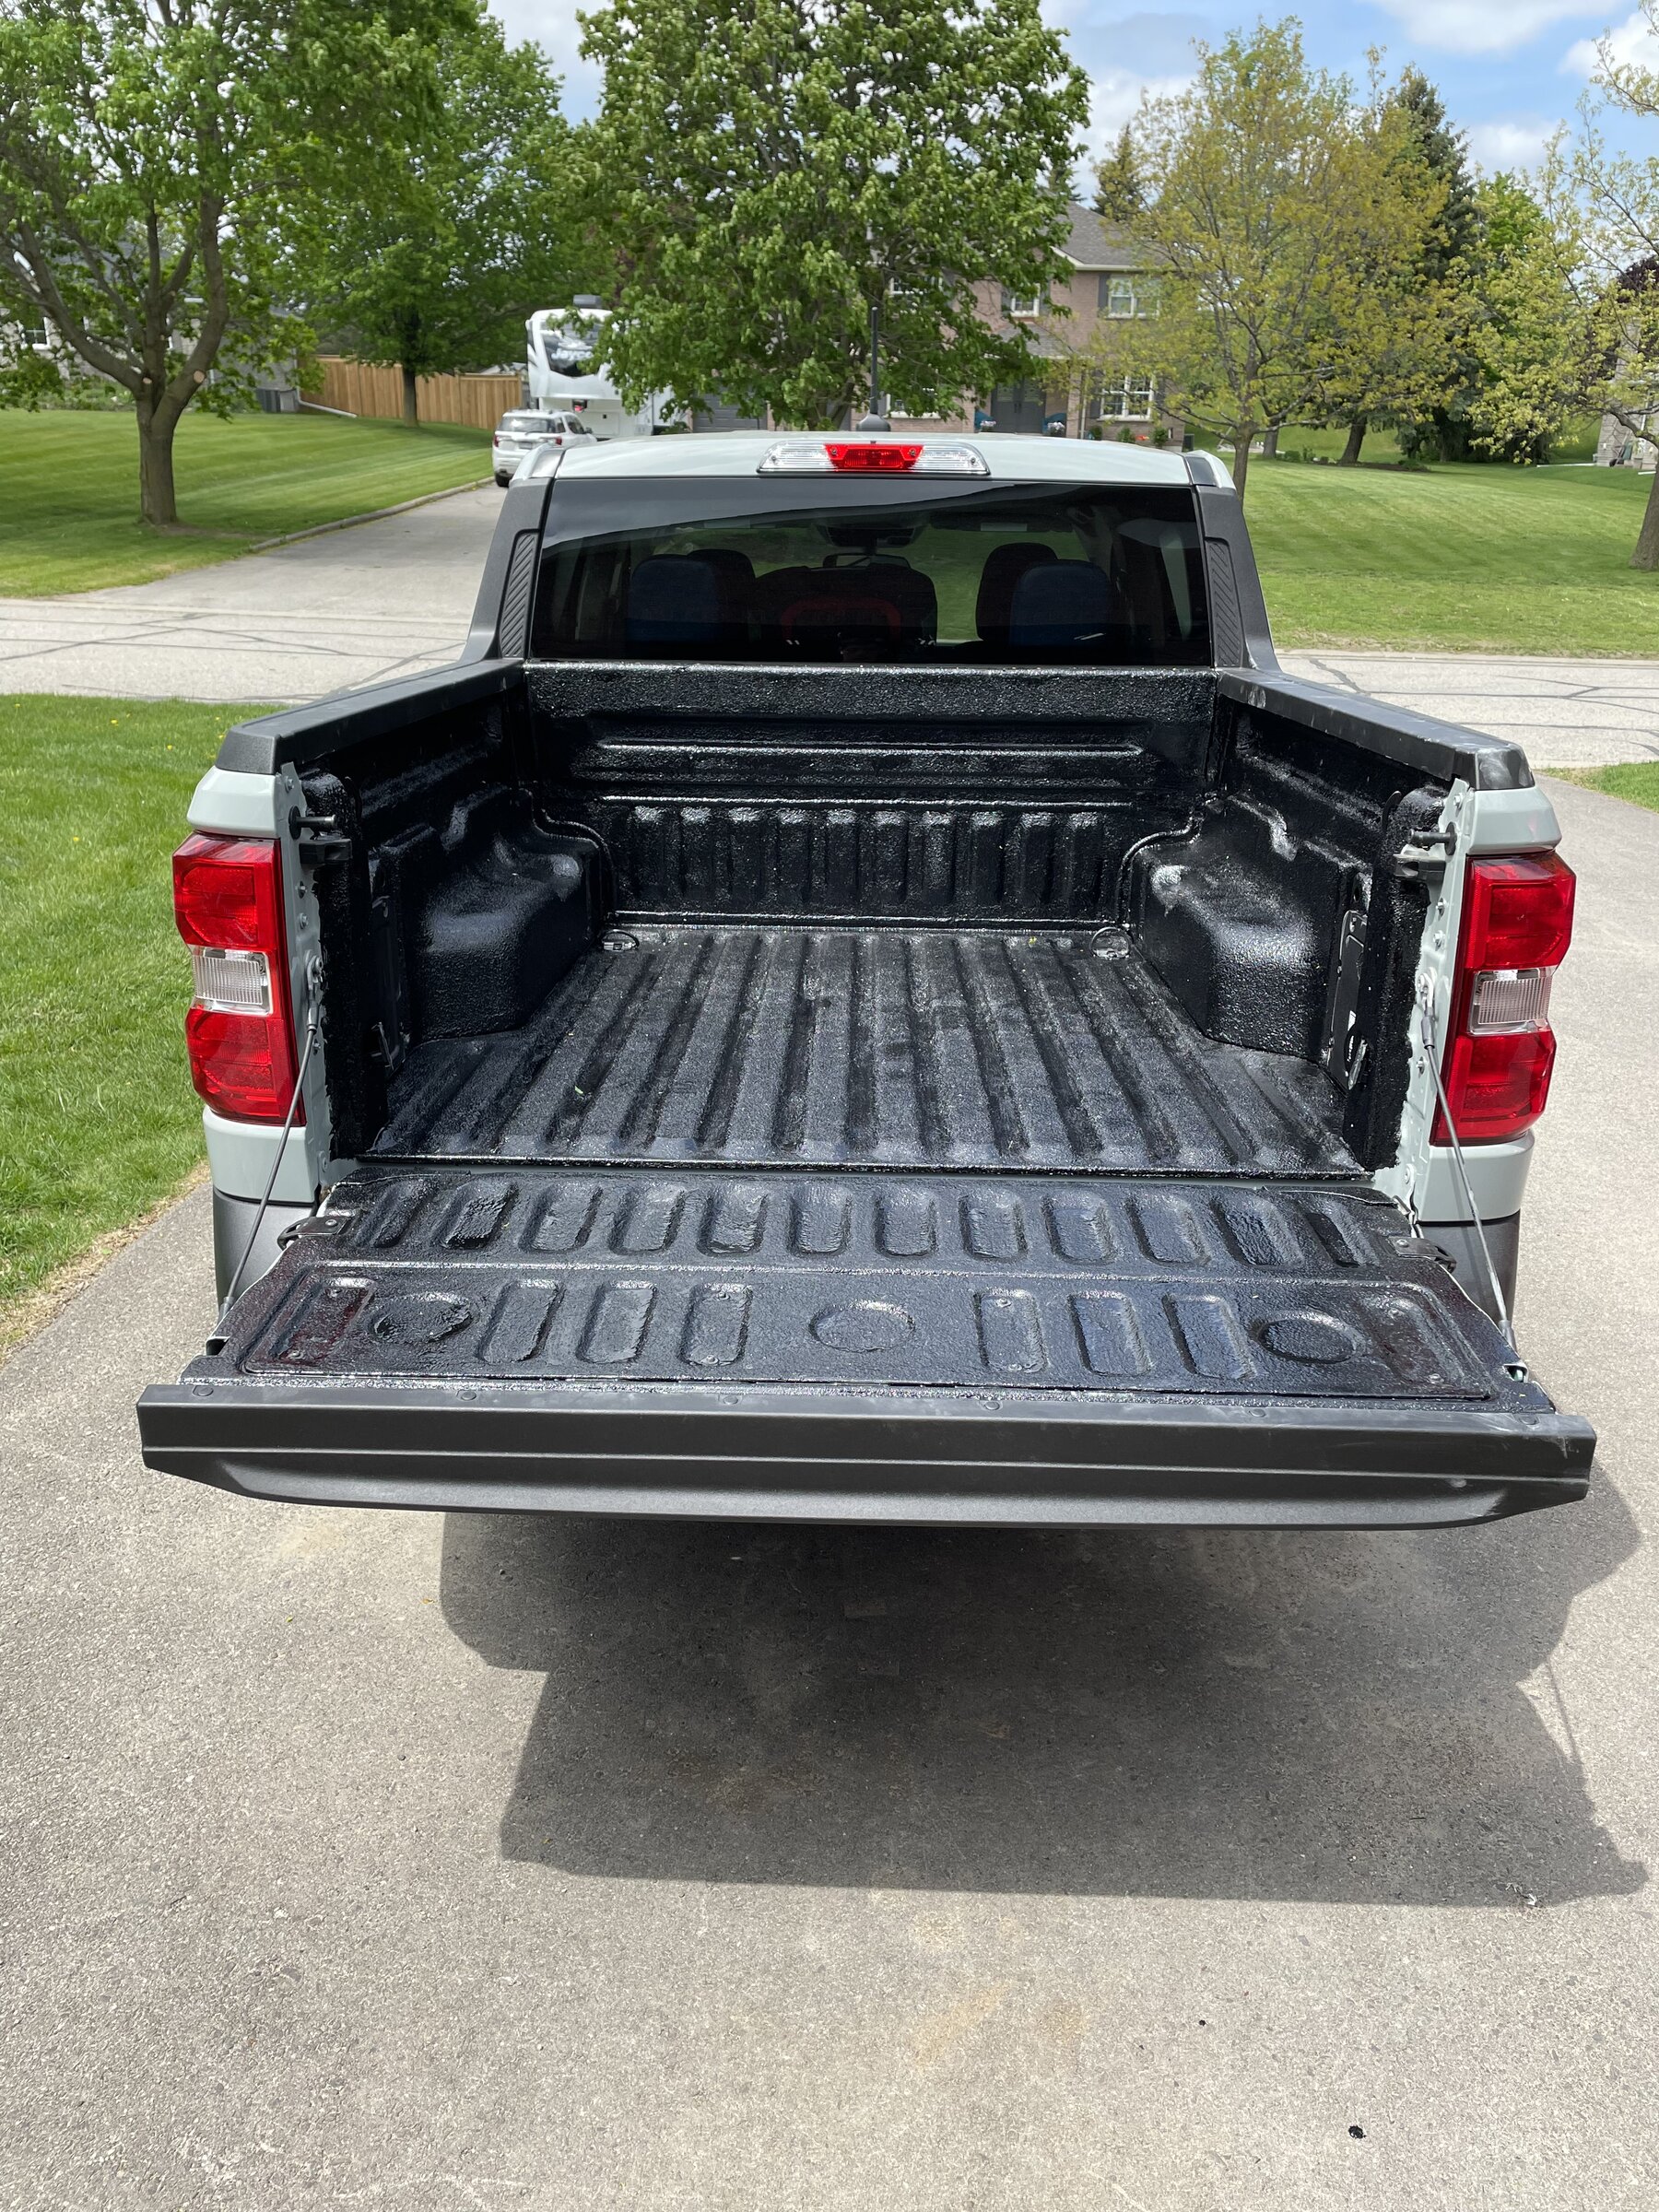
[1095,244]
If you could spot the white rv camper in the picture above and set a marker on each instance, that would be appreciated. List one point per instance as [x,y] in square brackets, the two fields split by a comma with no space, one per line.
[564,373]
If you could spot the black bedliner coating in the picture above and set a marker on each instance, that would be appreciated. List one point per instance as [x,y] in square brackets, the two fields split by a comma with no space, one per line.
[770,1046]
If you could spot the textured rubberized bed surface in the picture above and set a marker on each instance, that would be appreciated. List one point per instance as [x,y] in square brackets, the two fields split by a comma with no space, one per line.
[897,1048]
[561,1275]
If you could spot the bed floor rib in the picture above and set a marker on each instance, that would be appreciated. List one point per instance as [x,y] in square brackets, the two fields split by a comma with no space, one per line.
[765,1046]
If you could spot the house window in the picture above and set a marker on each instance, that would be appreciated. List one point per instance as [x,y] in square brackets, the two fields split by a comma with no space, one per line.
[1125,399]
[1124,298]
[1023,307]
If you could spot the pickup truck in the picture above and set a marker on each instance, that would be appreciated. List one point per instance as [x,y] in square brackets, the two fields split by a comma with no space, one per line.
[867,994]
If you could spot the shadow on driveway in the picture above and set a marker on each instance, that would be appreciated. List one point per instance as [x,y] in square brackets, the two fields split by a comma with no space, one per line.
[1324,1717]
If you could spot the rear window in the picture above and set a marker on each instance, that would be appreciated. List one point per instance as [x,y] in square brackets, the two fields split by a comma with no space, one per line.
[527,422]
[1071,576]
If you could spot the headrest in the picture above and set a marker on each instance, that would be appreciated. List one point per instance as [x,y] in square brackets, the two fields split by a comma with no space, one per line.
[1005,565]
[677,599]
[880,606]
[1060,604]
[737,568]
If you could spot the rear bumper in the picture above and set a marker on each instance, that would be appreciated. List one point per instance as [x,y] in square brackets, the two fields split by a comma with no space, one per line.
[918,1457]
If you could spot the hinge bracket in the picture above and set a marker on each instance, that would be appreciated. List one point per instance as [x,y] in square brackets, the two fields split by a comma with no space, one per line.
[1343,1054]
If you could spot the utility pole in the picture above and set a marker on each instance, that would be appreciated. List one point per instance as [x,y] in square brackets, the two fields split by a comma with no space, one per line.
[875,420]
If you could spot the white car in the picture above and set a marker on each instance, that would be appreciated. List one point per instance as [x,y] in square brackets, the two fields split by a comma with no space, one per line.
[525,431]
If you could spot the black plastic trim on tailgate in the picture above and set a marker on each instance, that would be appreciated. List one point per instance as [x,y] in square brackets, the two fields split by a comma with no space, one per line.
[898,1456]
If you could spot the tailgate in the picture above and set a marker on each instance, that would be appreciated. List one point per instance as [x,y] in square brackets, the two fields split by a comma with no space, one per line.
[992,1348]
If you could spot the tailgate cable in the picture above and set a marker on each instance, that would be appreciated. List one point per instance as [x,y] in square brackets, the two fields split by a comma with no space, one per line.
[1426,1006]
[313,976]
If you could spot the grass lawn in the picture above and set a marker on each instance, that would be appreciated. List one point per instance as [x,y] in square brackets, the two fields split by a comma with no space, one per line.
[69,488]
[1301,442]
[1634,780]
[98,1121]
[1459,560]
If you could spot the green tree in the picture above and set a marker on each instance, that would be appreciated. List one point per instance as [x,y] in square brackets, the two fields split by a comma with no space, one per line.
[1391,315]
[1444,152]
[1532,337]
[1119,195]
[1271,210]
[162,168]
[774,169]
[1452,263]
[476,230]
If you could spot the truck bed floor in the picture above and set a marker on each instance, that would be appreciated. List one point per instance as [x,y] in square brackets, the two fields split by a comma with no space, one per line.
[766,1046]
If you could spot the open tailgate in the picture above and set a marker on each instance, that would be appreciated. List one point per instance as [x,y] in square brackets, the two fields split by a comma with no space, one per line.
[978,1349]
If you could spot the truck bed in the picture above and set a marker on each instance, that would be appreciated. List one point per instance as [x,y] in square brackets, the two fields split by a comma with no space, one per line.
[864,1084]
[902,1048]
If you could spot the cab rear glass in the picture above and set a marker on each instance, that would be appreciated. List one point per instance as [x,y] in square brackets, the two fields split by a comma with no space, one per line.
[1081,575]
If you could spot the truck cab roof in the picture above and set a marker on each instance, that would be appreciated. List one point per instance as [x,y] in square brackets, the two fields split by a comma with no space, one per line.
[1007,457]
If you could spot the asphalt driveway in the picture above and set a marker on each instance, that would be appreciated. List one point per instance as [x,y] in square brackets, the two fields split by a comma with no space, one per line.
[1567,714]
[323,614]
[400,1860]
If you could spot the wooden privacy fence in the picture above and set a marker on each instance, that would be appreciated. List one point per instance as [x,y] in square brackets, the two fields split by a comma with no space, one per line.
[361,388]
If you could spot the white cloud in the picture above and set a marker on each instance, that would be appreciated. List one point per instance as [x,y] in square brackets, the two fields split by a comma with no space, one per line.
[1148,44]
[1510,142]
[1114,95]
[552,23]
[1125,56]
[1631,42]
[1482,26]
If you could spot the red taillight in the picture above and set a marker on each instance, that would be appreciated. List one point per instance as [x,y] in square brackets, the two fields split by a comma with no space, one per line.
[874,460]
[227,890]
[1517,924]
[227,899]
[1517,913]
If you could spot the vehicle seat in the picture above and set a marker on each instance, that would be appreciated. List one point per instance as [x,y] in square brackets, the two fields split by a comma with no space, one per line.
[917,600]
[1062,607]
[680,602]
[737,573]
[1005,565]
[847,614]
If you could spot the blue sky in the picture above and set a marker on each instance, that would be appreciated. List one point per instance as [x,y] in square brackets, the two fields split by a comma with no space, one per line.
[1509,69]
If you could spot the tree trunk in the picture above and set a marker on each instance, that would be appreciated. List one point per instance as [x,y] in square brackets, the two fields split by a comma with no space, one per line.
[1270,442]
[1356,439]
[157,500]
[1646,555]
[411,398]
[1242,435]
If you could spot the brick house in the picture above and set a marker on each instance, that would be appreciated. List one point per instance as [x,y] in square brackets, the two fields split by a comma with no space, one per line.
[1111,277]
